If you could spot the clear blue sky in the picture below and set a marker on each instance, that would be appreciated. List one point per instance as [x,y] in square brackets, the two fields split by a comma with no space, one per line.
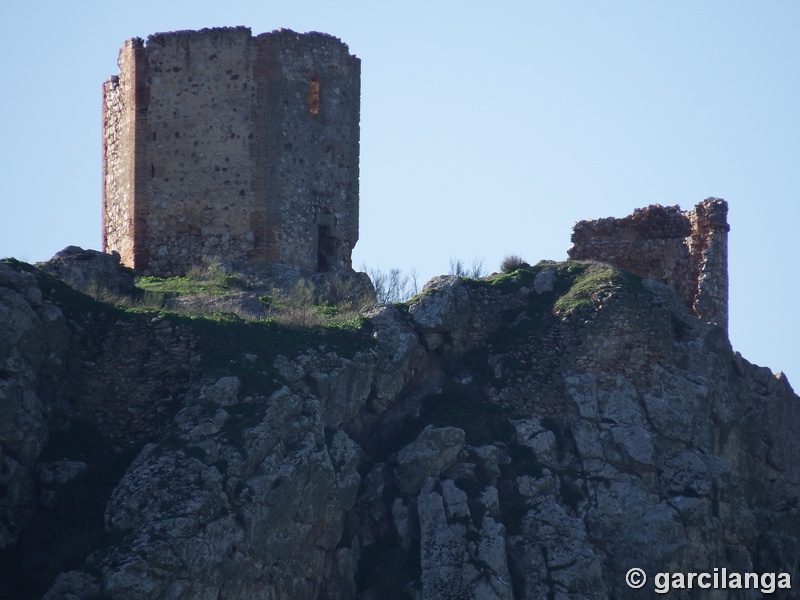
[487,128]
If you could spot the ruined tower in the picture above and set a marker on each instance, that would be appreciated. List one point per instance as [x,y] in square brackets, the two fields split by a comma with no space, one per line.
[688,250]
[223,146]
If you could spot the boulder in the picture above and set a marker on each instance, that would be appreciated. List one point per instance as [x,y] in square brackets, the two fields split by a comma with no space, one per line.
[94,273]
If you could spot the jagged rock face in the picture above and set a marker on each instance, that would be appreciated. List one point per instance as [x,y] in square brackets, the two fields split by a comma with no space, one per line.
[534,436]
[34,340]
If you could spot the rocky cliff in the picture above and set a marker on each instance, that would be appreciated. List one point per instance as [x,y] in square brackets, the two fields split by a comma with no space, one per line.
[532,435]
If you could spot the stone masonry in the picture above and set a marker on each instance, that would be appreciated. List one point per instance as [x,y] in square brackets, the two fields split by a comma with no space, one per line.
[688,250]
[223,146]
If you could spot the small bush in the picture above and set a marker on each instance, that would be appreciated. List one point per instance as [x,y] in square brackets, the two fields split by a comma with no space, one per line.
[474,271]
[512,262]
[393,286]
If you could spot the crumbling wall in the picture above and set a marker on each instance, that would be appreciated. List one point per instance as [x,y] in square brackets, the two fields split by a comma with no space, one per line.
[120,125]
[221,146]
[688,250]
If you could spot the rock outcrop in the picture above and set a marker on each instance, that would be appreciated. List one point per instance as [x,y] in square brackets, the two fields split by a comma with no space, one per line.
[34,344]
[92,272]
[533,435]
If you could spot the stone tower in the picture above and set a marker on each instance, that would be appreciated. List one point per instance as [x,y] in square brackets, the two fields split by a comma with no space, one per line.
[688,250]
[223,146]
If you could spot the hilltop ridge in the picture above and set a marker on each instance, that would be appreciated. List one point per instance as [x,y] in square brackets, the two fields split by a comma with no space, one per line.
[532,434]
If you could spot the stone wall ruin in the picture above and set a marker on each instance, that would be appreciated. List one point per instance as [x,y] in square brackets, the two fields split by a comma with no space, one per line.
[688,250]
[223,146]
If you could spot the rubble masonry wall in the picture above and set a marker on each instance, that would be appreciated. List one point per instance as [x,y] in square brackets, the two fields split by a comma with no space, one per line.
[222,146]
[688,250]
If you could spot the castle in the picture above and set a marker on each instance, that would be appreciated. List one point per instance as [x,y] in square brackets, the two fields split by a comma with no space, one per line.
[223,146]
[219,146]
[687,250]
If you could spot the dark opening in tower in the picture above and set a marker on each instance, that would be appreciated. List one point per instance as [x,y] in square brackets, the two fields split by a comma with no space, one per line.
[327,256]
[314,101]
